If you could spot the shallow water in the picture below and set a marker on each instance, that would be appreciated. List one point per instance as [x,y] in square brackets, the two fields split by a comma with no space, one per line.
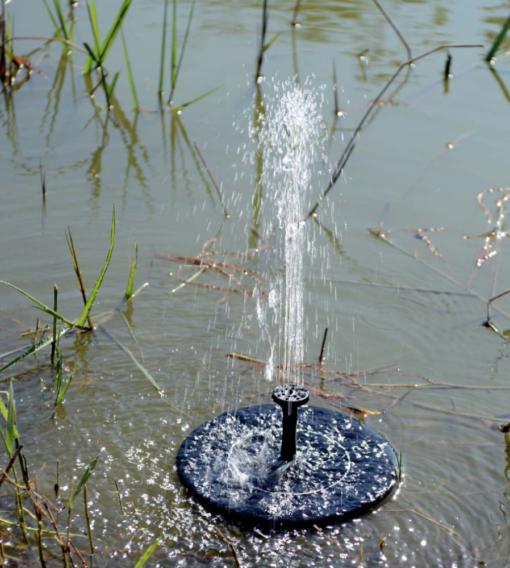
[452,507]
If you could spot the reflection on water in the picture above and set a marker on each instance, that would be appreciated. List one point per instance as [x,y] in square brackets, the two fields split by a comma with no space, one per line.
[406,351]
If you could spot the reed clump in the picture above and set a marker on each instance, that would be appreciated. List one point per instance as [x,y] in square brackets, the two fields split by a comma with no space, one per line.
[48,527]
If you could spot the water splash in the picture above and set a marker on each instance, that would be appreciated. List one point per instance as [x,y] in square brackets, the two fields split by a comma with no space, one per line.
[291,141]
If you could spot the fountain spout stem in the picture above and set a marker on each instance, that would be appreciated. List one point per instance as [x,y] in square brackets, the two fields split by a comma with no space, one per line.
[290,397]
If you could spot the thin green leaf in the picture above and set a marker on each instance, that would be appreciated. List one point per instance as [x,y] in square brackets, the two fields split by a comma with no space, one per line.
[5,414]
[181,55]
[61,18]
[83,480]
[148,553]
[8,36]
[146,373]
[94,24]
[163,51]
[62,393]
[498,40]
[9,353]
[112,86]
[93,294]
[3,409]
[110,37]
[177,109]
[174,46]
[58,370]
[270,43]
[43,307]
[91,53]
[9,434]
[53,21]
[130,72]
[4,441]
[73,33]
[131,279]
[33,348]
[114,30]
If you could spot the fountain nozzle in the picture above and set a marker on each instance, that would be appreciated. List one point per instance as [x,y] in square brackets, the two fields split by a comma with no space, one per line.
[290,397]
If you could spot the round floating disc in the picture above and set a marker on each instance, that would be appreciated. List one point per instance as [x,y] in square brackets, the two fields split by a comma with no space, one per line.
[232,466]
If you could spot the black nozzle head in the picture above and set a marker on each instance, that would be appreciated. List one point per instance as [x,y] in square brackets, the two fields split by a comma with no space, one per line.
[297,395]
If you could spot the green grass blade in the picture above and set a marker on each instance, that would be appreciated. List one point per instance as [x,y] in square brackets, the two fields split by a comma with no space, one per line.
[58,369]
[73,33]
[112,86]
[131,279]
[93,294]
[114,30]
[146,373]
[174,46]
[53,21]
[3,409]
[148,553]
[34,348]
[83,480]
[43,307]
[61,18]
[9,434]
[498,40]
[8,36]
[181,55]
[61,395]
[130,72]
[94,24]
[5,414]
[176,109]
[163,50]
[270,43]
[92,55]
[110,37]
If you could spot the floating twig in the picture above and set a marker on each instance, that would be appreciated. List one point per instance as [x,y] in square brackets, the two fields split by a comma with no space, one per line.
[295,22]
[218,288]
[395,29]
[231,545]
[246,358]
[342,162]
[321,355]
[489,322]
[5,472]
[119,496]
[497,232]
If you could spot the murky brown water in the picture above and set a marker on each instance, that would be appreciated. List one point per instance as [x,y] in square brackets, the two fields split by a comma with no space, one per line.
[452,507]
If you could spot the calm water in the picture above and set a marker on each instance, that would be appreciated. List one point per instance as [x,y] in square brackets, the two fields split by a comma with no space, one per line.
[452,509]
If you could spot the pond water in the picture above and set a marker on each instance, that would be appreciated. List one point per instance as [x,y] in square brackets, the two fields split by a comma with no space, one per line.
[406,309]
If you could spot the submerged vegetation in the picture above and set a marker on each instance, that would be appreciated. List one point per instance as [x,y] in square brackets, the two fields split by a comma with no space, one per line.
[59,530]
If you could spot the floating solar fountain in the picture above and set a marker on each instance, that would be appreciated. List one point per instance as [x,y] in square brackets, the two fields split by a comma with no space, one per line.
[288,464]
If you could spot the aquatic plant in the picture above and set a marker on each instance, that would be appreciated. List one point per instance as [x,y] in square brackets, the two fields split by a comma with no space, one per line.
[263,46]
[176,58]
[81,322]
[99,53]
[498,41]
